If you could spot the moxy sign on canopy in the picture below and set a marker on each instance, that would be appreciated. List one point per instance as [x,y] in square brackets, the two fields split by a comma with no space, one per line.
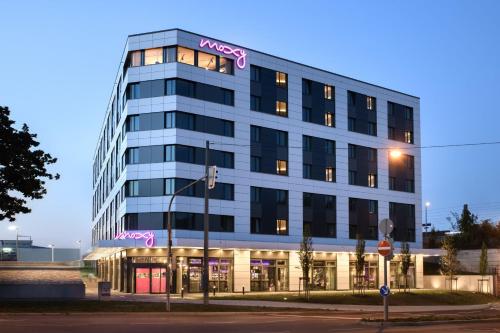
[148,236]
[239,54]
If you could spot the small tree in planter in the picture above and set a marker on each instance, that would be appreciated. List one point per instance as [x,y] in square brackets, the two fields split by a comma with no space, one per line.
[360,264]
[306,260]
[483,265]
[449,262]
[405,262]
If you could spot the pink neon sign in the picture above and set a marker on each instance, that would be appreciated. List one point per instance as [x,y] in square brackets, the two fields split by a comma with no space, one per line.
[148,236]
[238,53]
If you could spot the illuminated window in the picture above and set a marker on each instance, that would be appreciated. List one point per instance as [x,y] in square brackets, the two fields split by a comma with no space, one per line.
[135,59]
[372,180]
[328,92]
[153,56]
[329,119]
[281,167]
[370,103]
[185,55]
[281,108]
[408,137]
[207,61]
[281,227]
[226,65]
[281,79]
[329,174]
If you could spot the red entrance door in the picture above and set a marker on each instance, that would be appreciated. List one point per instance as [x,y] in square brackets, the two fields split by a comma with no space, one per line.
[142,281]
[158,280]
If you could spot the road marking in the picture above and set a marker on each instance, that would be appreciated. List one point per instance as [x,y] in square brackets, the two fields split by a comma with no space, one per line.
[313,316]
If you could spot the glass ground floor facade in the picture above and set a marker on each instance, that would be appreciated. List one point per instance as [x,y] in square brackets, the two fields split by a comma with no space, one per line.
[144,271]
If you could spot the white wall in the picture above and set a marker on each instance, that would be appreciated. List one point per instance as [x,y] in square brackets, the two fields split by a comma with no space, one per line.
[464,283]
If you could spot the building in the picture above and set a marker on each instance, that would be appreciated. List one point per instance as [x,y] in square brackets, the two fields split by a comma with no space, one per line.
[25,251]
[298,148]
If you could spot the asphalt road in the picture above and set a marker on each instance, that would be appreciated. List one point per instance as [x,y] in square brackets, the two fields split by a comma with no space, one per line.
[217,323]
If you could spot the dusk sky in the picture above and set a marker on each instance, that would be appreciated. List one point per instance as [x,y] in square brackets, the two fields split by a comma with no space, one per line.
[59,59]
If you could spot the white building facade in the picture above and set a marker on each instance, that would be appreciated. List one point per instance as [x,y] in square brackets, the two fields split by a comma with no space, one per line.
[299,150]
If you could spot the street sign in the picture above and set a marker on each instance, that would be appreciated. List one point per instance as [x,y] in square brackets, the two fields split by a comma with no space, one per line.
[384,291]
[386,226]
[384,248]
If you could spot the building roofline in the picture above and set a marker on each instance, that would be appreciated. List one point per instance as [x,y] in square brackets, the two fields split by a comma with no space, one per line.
[280,58]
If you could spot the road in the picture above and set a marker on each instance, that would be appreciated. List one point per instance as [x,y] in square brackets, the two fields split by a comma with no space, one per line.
[281,322]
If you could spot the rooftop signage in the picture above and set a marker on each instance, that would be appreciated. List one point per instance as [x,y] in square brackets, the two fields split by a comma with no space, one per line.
[237,53]
[148,236]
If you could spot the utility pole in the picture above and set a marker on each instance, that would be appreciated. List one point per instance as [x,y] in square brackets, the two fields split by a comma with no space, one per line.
[205,228]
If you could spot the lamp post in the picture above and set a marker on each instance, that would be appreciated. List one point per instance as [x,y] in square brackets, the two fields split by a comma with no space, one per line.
[52,247]
[79,242]
[427,225]
[16,228]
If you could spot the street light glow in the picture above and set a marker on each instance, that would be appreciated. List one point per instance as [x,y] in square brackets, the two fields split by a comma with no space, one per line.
[427,204]
[12,227]
[395,153]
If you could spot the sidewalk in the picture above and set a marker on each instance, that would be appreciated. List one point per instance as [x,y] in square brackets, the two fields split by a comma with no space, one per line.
[117,296]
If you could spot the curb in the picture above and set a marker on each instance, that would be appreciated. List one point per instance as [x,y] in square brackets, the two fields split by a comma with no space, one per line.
[427,323]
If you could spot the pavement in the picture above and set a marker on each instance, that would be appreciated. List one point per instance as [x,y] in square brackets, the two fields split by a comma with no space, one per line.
[214,323]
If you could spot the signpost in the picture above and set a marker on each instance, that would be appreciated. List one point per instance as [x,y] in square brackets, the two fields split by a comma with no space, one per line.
[384,248]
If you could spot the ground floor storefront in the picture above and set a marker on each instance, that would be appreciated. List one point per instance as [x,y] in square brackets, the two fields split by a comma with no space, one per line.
[144,271]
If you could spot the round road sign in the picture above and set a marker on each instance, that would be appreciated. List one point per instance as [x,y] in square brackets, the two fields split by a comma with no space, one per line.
[386,226]
[384,248]
[384,291]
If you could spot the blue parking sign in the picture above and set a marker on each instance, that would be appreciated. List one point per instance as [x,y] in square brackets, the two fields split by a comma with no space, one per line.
[384,291]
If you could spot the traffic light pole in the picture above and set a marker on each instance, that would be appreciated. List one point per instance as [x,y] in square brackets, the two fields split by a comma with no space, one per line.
[205,228]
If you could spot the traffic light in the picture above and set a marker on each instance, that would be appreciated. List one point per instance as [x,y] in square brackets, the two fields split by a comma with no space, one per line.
[212,176]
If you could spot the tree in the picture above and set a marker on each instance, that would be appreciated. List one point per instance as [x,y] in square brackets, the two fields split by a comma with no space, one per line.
[360,263]
[306,260]
[405,261]
[23,169]
[449,262]
[483,260]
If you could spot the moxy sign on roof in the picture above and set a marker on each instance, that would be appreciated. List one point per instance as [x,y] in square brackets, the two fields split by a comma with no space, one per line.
[148,236]
[238,53]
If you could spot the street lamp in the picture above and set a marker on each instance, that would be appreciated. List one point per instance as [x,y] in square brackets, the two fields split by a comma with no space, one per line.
[13,227]
[427,224]
[79,242]
[52,247]
[395,153]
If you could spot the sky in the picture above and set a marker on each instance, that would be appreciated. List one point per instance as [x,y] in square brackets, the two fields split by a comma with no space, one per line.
[58,61]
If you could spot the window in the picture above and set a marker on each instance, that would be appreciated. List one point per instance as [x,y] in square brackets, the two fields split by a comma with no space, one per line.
[281,138]
[329,147]
[254,73]
[372,154]
[329,201]
[153,56]
[169,186]
[227,97]
[281,227]
[228,128]
[390,109]
[171,87]
[410,187]
[392,133]
[408,113]
[370,103]
[136,58]
[133,123]
[255,194]
[372,206]
[372,180]
[281,108]
[351,124]
[169,153]
[281,167]
[226,65]
[307,199]
[328,92]
[170,120]
[410,161]
[255,163]
[306,87]
[329,119]
[352,177]
[408,137]
[329,175]
[392,183]
[306,143]
[281,79]
[281,197]
[306,114]
[352,151]
[133,188]
[255,225]
[306,173]
[134,91]
[351,96]
[185,55]
[207,61]
[255,133]
[255,103]
[171,54]
[133,155]
[372,128]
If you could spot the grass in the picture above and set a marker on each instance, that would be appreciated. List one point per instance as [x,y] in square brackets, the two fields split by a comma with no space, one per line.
[116,306]
[417,297]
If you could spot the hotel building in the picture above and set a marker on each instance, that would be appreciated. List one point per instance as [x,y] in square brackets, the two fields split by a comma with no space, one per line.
[299,150]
